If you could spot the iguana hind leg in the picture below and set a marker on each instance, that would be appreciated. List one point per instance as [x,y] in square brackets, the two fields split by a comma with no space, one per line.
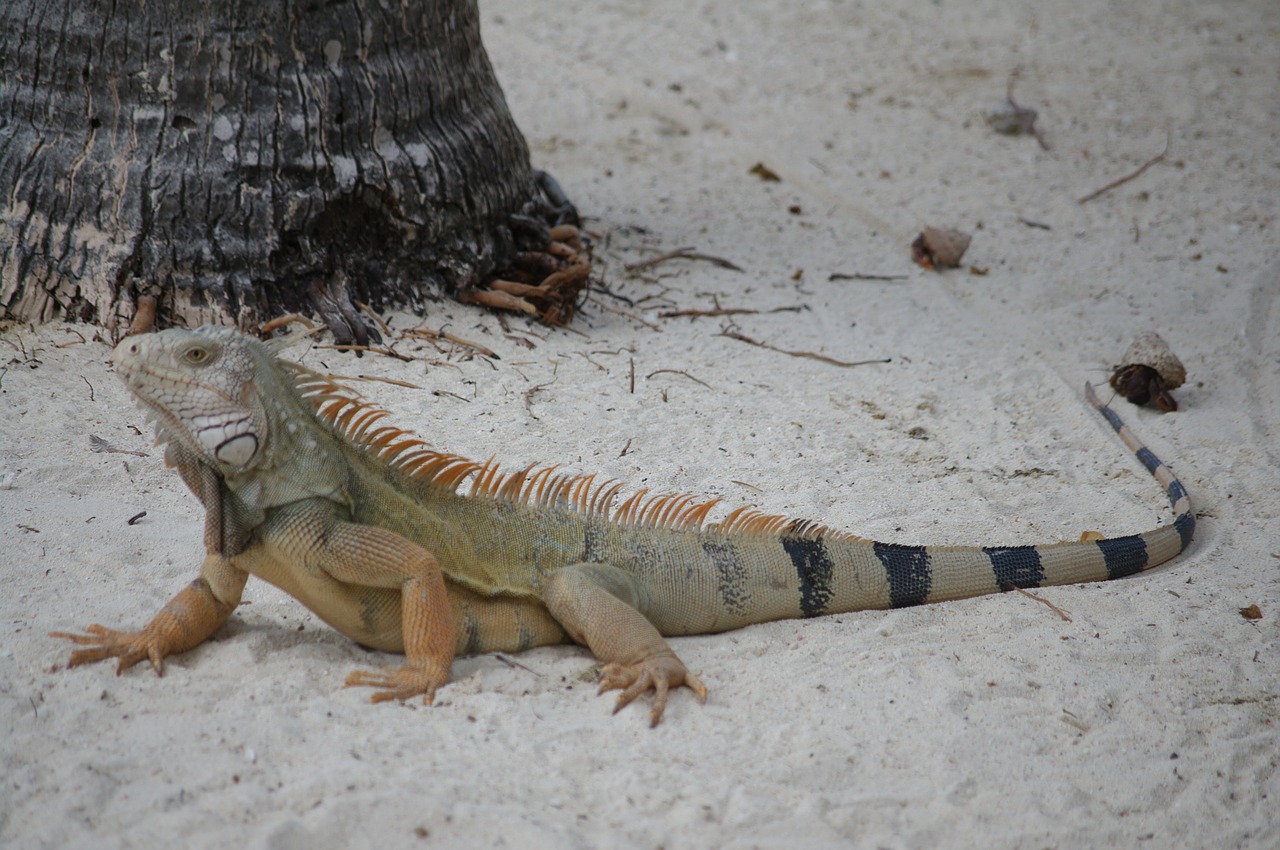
[195,613]
[603,607]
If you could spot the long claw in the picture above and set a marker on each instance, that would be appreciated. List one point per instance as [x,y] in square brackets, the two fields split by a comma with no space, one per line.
[399,683]
[103,643]
[655,674]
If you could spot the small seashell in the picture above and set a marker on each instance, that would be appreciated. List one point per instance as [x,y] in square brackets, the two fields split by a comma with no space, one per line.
[940,248]
[1148,371]
[1150,349]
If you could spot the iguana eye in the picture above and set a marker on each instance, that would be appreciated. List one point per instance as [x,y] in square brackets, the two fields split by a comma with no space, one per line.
[197,355]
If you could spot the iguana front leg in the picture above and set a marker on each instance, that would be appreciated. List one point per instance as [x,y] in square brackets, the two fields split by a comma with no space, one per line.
[184,623]
[341,564]
[603,607]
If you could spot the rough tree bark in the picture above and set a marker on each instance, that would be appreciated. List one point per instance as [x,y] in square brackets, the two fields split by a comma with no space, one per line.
[234,158]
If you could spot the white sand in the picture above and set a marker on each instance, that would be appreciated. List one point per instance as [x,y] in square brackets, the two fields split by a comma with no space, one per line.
[1148,721]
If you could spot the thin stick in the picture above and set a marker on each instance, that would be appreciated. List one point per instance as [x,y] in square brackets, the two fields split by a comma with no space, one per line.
[1130,176]
[73,342]
[427,333]
[512,663]
[530,393]
[374,378]
[726,311]
[632,316]
[811,355]
[722,311]
[376,349]
[682,254]
[861,276]
[677,372]
[1054,608]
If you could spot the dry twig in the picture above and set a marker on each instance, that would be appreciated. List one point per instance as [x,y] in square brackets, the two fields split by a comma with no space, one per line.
[1130,176]
[719,311]
[676,372]
[809,354]
[376,349]
[1054,608]
[632,316]
[861,276]
[427,333]
[374,378]
[682,254]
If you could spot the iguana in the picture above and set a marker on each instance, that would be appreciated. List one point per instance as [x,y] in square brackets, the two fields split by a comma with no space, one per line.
[407,549]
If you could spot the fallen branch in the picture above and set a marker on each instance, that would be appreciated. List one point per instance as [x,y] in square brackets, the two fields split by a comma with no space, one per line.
[809,354]
[1130,176]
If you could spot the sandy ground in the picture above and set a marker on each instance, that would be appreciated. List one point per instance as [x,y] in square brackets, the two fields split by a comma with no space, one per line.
[1151,719]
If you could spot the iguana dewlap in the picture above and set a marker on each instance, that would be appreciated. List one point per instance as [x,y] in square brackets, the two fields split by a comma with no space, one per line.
[406,549]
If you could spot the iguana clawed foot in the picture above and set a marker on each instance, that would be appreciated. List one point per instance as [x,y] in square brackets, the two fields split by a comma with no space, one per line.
[129,647]
[401,682]
[658,674]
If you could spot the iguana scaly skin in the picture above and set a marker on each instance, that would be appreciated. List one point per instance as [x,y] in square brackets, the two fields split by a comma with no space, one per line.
[376,533]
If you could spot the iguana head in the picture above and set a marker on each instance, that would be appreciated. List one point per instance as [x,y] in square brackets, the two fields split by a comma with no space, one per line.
[207,389]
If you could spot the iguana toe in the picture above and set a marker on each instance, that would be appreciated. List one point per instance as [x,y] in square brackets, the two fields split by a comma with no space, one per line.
[399,683]
[129,647]
[655,674]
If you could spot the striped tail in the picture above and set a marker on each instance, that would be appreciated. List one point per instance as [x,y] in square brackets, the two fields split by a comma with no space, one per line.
[1154,547]
[922,574]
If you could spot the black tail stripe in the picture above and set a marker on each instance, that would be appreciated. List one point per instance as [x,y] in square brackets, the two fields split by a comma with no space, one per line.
[814,568]
[1176,491]
[1124,556]
[1186,527]
[1015,566]
[1149,459]
[1112,417]
[907,568]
